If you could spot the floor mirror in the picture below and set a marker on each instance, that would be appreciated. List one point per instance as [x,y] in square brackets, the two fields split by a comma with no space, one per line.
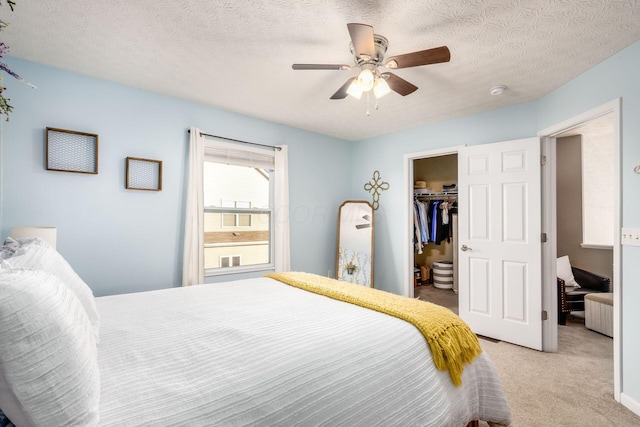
[354,255]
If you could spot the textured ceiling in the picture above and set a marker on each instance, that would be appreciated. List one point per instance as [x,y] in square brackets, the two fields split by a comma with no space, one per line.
[237,55]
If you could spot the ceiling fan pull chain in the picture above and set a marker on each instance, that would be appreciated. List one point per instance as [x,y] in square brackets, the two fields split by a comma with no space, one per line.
[368,113]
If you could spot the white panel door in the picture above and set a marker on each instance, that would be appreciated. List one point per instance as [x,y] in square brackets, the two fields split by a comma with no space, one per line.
[500,289]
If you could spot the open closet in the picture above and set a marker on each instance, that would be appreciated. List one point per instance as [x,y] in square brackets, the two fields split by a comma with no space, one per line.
[435,230]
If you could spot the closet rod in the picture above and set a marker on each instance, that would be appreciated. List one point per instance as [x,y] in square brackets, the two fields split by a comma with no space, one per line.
[237,140]
[436,196]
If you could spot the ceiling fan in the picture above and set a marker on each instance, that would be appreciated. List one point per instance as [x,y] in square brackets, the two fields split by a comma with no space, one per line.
[368,51]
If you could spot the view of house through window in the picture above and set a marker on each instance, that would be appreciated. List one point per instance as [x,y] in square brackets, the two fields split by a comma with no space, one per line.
[230,261]
[237,217]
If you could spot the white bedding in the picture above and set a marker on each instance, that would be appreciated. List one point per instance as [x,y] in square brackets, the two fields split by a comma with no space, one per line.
[259,352]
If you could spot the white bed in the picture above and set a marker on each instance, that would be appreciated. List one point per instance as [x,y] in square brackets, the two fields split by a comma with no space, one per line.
[261,353]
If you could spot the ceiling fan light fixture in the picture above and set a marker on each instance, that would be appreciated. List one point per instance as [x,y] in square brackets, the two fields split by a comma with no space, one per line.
[355,90]
[365,79]
[381,87]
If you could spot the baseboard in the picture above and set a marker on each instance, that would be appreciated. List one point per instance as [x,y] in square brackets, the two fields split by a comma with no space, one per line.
[630,403]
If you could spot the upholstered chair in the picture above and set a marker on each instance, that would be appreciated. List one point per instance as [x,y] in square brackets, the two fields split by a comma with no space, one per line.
[571,298]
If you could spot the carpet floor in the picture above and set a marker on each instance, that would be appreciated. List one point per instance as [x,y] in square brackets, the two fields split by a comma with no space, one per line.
[573,387]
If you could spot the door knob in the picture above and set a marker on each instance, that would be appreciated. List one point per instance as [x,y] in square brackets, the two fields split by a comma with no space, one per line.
[465,248]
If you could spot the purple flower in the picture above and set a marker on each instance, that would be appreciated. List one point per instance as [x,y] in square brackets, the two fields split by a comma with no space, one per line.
[5,107]
[3,49]
[5,67]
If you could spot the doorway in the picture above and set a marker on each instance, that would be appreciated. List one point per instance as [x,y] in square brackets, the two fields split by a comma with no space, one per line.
[435,203]
[410,284]
[611,111]
[548,270]
[584,200]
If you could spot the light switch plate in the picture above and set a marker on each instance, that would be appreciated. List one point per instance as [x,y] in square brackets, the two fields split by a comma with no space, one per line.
[630,236]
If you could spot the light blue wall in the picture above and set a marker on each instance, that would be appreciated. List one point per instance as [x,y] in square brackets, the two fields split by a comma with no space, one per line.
[124,241]
[614,78]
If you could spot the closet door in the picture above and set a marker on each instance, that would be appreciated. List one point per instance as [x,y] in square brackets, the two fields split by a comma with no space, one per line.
[500,290]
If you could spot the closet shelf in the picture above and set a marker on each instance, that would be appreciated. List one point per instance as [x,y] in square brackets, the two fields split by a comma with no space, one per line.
[435,195]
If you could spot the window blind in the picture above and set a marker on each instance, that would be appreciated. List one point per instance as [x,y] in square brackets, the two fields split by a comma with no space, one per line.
[232,154]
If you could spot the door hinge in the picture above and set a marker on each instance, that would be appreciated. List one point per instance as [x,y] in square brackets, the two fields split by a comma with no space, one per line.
[544,315]
[543,237]
[543,160]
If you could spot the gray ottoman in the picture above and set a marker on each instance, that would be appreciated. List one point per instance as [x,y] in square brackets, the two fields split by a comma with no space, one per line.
[598,312]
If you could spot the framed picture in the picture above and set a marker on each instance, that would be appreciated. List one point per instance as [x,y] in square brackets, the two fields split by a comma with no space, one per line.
[71,151]
[143,174]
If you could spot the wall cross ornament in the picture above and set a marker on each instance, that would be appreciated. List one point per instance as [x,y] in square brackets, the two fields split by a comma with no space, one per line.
[375,187]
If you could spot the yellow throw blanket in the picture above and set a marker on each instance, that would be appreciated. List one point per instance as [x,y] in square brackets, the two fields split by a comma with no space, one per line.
[452,342]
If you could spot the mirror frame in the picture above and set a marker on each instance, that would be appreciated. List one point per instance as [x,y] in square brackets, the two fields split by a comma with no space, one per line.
[370,207]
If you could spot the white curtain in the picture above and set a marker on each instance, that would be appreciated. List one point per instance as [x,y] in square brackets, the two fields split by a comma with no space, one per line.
[193,261]
[281,229]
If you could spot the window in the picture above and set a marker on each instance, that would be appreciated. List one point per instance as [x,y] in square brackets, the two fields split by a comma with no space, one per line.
[230,261]
[236,220]
[238,204]
[597,190]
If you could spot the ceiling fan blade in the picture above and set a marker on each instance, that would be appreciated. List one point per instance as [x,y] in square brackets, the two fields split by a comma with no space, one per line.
[321,67]
[342,92]
[362,38]
[422,57]
[399,85]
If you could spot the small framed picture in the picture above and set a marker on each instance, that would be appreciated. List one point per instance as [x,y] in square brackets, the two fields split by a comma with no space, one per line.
[143,174]
[71,151]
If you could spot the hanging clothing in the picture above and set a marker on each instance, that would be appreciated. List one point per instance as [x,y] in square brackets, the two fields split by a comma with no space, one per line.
[423,207]
[425,210]
[435,214]
[445,212]
[442,230]
[432,222]
[417,229]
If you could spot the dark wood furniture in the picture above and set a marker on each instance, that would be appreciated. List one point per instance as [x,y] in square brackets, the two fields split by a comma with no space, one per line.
[572,299]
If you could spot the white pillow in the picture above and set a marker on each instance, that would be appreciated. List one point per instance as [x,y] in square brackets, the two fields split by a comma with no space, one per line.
[9,247]
[48,356]
[35,254]
[564,272]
